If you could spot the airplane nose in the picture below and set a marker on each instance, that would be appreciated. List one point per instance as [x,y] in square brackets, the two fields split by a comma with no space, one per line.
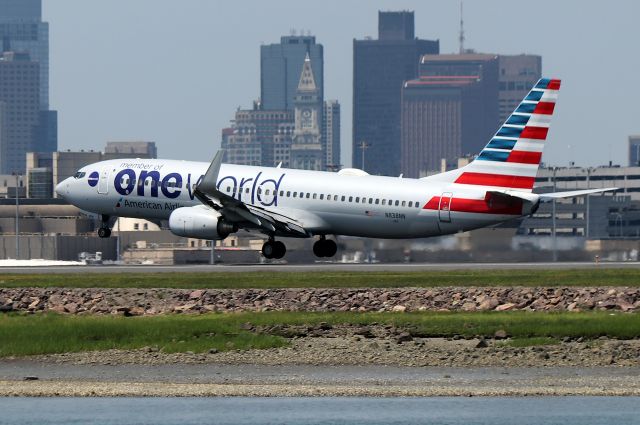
[60,188]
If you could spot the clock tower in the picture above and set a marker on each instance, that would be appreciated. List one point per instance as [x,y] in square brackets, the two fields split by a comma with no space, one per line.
[306,148]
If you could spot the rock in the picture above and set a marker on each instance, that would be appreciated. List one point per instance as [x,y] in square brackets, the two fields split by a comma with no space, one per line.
[625,306]
[6,308]
[196,294]
[404,337]
[213,351]
[489,304]
[399,309]
[482,343]
[325,326]
[500,334]
[71,308]
[30,378]
[365,332]
[505,307]
[469,306]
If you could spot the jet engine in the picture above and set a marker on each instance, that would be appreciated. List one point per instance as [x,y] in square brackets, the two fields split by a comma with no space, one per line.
[200,222]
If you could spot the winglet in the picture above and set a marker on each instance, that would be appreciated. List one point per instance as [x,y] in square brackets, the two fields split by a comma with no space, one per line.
[210,179]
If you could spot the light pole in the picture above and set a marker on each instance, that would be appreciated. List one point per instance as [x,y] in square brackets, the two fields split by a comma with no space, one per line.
[363,145]
[17,216]
[553,219]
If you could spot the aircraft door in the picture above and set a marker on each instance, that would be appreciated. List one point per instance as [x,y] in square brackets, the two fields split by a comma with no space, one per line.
[444,208]
[103,182]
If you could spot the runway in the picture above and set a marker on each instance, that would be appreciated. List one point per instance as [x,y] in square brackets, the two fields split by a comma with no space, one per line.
[320,267]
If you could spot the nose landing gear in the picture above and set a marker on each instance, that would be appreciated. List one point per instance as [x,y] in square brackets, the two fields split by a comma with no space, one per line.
[273,249]
[325,247]
[104,231]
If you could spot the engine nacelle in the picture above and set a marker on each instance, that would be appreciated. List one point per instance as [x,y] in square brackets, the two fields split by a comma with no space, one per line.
[199,222]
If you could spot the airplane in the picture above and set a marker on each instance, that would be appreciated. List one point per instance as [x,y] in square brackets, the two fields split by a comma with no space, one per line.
[213,200]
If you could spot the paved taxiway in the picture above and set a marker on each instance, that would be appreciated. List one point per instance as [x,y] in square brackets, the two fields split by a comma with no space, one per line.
[324,267]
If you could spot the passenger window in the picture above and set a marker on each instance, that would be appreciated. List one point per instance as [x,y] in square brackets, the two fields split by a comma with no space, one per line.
[384,202]
[350,198]
[410,204]
[357,199]
[314,195]
[282,193]
[308,194]
[321,196]
[404,203]
[328,197]
[267,191]
[371,200]
[364,200]
[343,198]
[246,191]
[335,197]
[397,203]
[259,191]
[295,194]
[288,193]
[377,201]
[302,194]
[417,205]
[146,182]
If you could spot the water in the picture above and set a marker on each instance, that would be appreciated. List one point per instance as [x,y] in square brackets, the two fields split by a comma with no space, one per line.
[322,411]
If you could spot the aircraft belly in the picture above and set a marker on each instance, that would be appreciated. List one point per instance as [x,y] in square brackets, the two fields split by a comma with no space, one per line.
[382,225]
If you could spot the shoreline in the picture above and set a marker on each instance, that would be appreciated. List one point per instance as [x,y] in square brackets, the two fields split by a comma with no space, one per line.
[314,381]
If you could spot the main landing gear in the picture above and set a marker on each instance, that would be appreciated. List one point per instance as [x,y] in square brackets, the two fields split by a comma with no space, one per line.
[104,231]
[273,249]
[325,247]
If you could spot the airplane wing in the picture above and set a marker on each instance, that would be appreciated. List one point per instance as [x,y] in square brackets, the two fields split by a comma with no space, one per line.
[244,215]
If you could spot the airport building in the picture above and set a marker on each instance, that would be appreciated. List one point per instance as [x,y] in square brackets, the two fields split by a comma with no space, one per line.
[46,169]
[380,67]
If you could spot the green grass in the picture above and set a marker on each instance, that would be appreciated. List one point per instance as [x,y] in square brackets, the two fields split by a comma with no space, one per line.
[338,279]
[49,333]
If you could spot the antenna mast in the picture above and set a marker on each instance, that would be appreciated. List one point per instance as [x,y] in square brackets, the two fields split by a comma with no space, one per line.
[461,36]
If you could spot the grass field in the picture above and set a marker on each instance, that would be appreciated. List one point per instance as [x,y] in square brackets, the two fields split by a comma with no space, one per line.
[571,277]
[51,333]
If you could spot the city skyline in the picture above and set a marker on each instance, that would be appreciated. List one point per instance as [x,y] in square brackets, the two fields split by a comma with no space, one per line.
[177,87]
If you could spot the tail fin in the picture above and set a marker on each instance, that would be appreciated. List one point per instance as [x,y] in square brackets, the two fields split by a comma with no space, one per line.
[511,158]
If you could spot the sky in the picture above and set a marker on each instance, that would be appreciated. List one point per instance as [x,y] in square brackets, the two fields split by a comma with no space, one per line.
[175,72]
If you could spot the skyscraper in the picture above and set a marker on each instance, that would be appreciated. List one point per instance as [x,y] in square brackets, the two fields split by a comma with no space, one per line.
[19,110]
[22,30]
[518,73]
[450,111]
[634,150]
[280,68]
[331,133]
[379,69]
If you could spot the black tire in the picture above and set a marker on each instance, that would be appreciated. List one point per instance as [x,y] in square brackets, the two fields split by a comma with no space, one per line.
[319,248]
[330,248]
[268,249]
[280,249]
[104,232]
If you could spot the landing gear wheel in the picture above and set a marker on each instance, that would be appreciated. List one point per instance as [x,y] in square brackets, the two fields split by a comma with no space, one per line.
[330,248]
[268,249]
[104,232]
[280,249]
[325,248]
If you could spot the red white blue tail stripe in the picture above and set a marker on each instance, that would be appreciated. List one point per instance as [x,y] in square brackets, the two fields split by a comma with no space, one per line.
[512,157]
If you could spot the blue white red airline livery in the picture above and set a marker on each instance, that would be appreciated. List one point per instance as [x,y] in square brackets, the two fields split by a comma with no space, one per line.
[214,200]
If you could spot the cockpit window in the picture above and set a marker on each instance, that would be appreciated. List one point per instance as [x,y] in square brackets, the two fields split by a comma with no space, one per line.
[79,174]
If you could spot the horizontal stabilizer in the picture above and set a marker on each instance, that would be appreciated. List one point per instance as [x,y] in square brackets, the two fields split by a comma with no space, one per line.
[573,193]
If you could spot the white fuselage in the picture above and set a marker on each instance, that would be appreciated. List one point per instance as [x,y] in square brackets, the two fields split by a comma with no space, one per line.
[323,202]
